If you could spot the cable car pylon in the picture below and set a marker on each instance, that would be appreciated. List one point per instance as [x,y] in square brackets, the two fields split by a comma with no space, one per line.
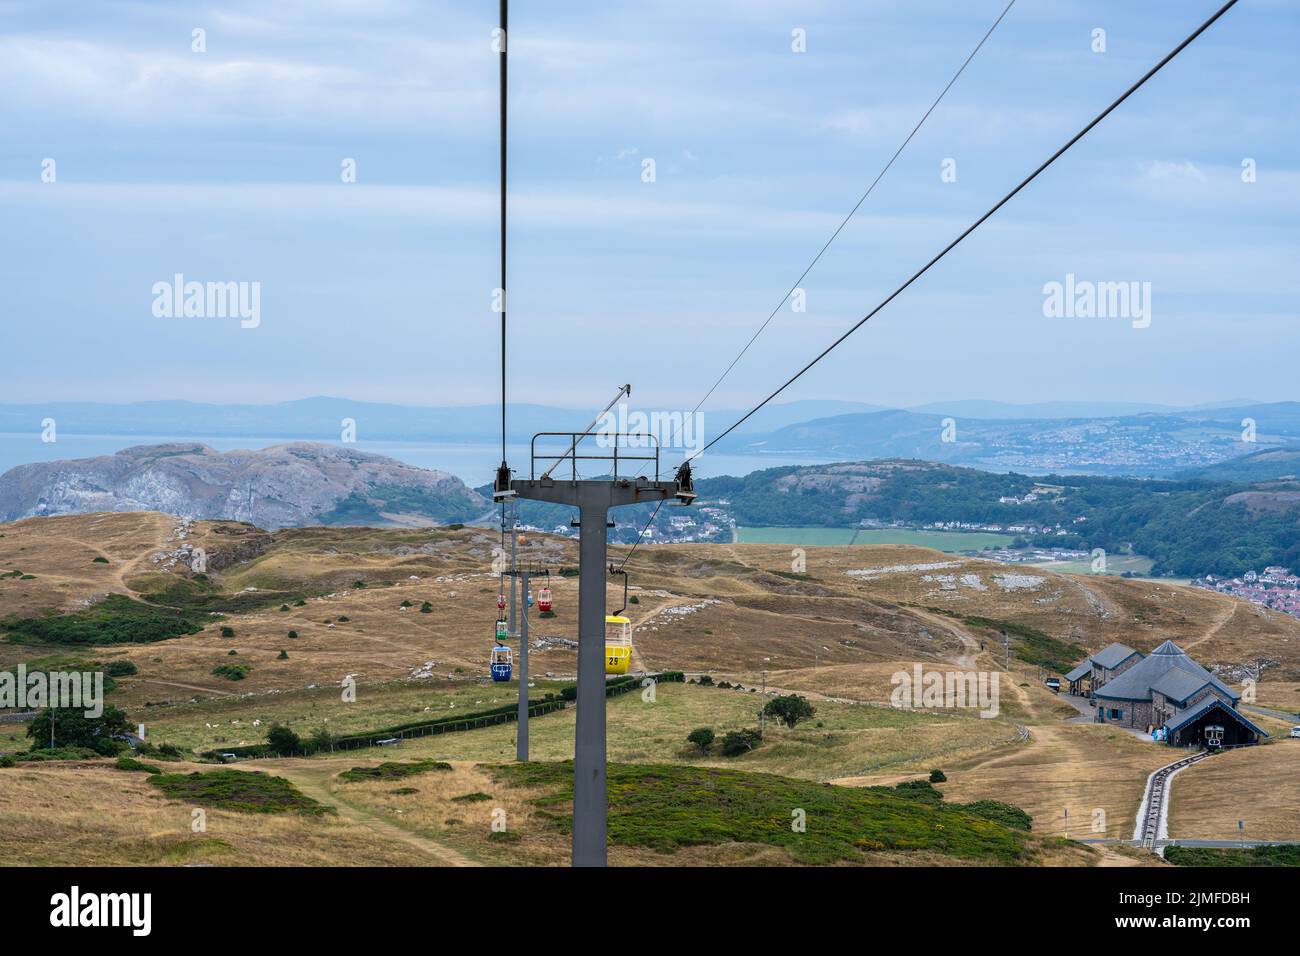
[594,498]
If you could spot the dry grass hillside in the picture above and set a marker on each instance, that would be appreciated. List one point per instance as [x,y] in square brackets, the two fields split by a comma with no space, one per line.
[836,631]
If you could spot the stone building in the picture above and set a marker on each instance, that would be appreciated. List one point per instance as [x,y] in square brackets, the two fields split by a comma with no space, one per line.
[1165,690]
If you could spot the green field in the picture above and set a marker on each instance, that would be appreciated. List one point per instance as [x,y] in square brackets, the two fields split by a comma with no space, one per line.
[1115,564]
[951,541]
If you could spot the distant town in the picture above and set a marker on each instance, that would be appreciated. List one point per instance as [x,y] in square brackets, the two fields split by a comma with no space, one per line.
[1274,587]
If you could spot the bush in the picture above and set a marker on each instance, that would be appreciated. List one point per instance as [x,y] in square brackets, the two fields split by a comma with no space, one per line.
[426,608]
[232,671]
[789,709]
[405,604]
[343,619]
[634,600]
[121,669]
[938,776]
[1003,813]
[705,680]
[283,655]
[130,763]
[283,741]
[393,770]
[284,607]
[569,692]
[72,728]
[358,584]
[100,559]
[115,620]
[300,603]
[227,631]
[736,743]
[239,790]
[701,737]
[293,635]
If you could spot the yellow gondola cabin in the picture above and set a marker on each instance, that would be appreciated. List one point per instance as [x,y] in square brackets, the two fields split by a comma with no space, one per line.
[618,644]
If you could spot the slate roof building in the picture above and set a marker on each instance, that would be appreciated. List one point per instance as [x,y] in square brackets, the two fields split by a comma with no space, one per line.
[1101,668]
[1165,689]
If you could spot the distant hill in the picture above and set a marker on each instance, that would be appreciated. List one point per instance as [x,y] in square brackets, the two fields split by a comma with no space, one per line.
[1267,465]
[285,485]
[1189,527]
[1148,445]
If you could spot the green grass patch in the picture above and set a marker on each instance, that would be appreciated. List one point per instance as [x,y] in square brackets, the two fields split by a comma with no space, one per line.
[1281,855]
[130,763]
[393,770]
[115,620]
[238,790]
[666,807]
[1028,643]
[478,796]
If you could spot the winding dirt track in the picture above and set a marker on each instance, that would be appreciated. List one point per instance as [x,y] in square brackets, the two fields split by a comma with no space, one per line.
[311,780]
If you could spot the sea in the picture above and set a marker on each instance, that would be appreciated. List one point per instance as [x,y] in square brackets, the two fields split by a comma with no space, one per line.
[472,462]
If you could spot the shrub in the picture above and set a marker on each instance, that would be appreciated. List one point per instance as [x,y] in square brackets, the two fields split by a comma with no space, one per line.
[634,600]
[321,740]
[739,742]
[358,584]
[426,608]
[701,737]
[393,770]
[227,631]
[99,559]
[705,680]
[405,604]
[293,635]
[130,763]
[283,741]
[300,603]
[121,669]
[938,776]
[284,607]
[343,619]
[241,790]
[789,709]
[115,620]
[1003,813]
[283,655]
[72,728]
[232,671]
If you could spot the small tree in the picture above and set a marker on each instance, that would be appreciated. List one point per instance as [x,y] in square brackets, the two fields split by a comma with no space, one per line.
[321,740]
[283,656]
[227,632]
[938,776]
[701,737]
[789,709]
[738,742]
[293,635]
[283,741]
[72,728]
[426,608]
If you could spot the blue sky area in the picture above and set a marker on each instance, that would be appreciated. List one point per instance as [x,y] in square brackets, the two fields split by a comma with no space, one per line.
[225,166]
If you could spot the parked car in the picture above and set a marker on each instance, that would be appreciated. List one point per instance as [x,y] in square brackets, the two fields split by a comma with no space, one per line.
[1295,732]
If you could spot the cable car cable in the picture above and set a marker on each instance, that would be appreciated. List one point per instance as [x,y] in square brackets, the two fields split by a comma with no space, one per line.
[853,211]
[978,222]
